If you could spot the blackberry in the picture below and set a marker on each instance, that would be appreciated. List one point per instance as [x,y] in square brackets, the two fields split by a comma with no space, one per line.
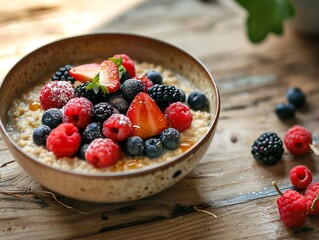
[102,111]
[118,102]
[63,74]
[268,149]
[164,95]
[296,96]
[81,91]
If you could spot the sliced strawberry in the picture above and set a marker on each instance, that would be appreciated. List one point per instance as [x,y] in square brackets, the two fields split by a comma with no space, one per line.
[146,118]
[109,76]
[128,64]
[85,72]
[147,83]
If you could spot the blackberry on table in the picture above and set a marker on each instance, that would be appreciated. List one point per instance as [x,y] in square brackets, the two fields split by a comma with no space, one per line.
[63,74]
[102,111]
[81,91]
[268,149]
[164,95]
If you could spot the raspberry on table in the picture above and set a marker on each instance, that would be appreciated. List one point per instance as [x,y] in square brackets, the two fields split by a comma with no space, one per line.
[56,94]
[267,149]
[164,95]
[300,176]
[64,140]
[63,74]
[81,91]
[102,111]
[297,140]
[103,152]
[92,131]
[52,117]
[117,127]
[179,116]
[311,194]
[78,111]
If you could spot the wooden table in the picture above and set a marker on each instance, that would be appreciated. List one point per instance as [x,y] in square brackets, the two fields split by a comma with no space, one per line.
[228,182]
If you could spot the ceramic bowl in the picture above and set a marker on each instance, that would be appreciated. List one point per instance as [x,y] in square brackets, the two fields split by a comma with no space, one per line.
[109,186]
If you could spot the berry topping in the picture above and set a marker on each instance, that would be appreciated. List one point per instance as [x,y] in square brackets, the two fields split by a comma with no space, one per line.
[146,82]
[102,111]
[78,111]
[285,110]
[134,146]
[118,102]
[155,77]
[103,152]
[52,118]
[63,74]
[146,118]
[311,195]
[300,176]
[82,150]
[183,95]
[56,94]
[268,149]
[197,100]
[130,88]
[109,76]
[296,96]
[125,76]
[82,91]
[153,148]
[64,140]
[40,134]
[297,140]
[179,116]
[117,127]
[92,131]
[127,63]
[84,73]
[170,138]
[164,95]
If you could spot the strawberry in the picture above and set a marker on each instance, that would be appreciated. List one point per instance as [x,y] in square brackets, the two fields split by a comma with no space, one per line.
[147,83]
[146,118]
[109,76]
[84,73]
[127,63]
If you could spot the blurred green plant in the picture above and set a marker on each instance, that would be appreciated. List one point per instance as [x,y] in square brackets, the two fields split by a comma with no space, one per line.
[266,16]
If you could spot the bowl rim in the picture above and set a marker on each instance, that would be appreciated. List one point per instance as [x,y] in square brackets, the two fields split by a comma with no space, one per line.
[113,175]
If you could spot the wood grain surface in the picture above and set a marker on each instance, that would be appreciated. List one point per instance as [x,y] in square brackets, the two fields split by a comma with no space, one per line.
[228,182]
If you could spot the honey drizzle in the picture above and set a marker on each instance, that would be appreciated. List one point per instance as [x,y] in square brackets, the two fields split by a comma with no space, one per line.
[186,145]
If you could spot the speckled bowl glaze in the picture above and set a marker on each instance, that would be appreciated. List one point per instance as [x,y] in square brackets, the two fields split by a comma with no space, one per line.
[110,186]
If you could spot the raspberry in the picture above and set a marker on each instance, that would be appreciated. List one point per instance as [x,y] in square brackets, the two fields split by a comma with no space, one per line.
[56,94]
[311,194]
[78,111]
[103,152]
[117,127]
[64,140]
[179,116]
[297,140]
[300,176]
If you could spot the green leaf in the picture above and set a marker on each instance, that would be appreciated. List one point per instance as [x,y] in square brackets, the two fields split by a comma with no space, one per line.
[96,89]
[96,78]
[266,16]
[89,86]
[104,89]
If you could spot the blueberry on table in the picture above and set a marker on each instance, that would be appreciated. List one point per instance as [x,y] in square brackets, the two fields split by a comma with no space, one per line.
[285,110]
[40,134]
[153,148]
[92,131]
[170,138]
[296,97]
[154,76]
[197,100]
[52,118]
[134,146]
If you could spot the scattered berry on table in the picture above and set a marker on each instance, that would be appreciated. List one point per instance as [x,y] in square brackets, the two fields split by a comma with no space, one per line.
[197,100]
[134,146]
[78,111]
[56,94]
[64,140]
[170,138]
[92,131]
[297,140]
[109,76]
[103,152]
[63,74]
[146,118]
[117,127]
[183,95]
[147,84]
[285,110]
[128,64]
[296,96]
[118,102]
[82,150]
[311,195]
[154,76]
[268,149]
[102,111]
[125,76]
[86,72]
[130,88]
[179,116]
[40,134]
[82,91]
[52,118]
[153,147]
[164,95]
[300,176]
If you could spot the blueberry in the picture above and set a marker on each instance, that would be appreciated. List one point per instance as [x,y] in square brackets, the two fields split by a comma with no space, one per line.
[130,88]
[197,100]
[40,134]
[170,138]
[134,146]
[118,102]
[155,77]
[296,96]
[285,110]
[82,150]
[125,76]
[52,118]
[183,95]
[92,131]
[153,147]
